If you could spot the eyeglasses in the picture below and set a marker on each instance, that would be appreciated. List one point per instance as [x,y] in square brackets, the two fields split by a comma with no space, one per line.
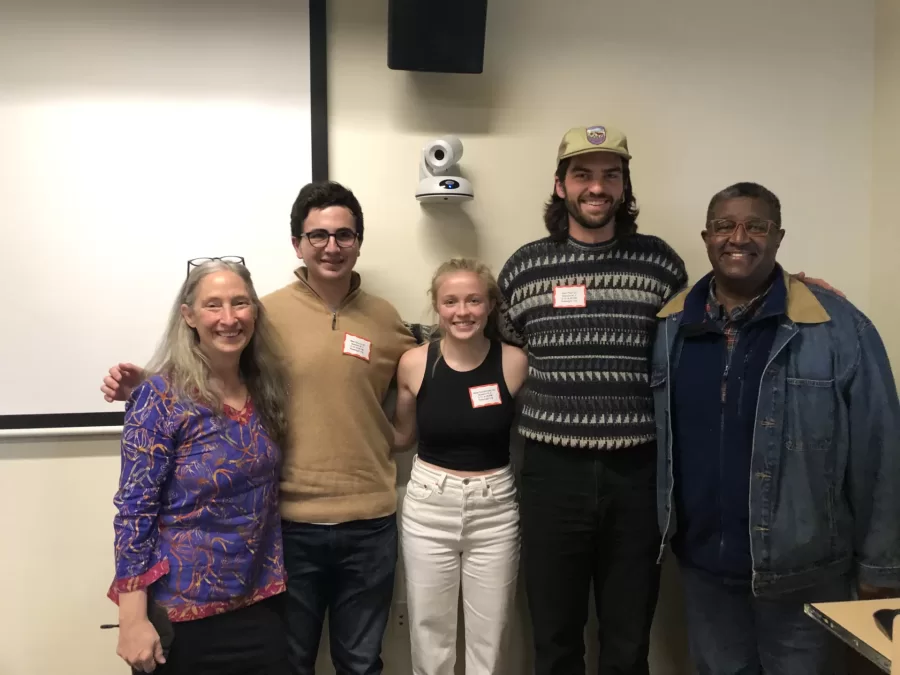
[196,262]
[344,237]
[722,227]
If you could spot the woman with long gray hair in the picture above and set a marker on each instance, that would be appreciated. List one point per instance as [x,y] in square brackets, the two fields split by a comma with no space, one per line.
[197,534]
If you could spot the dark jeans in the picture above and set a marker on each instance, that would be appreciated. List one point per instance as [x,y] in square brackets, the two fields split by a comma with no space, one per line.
[731,632]
[590,516]
[247,641]
[346,570]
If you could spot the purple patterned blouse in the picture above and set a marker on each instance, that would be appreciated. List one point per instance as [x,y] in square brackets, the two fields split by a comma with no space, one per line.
[197,520]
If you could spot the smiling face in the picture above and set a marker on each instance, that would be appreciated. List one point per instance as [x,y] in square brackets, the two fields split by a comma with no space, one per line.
[222,314]
[463,304]
[334,228]
[593,189]
[746,254]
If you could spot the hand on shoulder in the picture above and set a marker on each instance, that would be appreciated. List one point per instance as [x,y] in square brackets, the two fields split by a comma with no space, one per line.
[821,283]
[122,380]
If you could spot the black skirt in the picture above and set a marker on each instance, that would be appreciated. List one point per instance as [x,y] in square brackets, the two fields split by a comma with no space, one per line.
[247,641]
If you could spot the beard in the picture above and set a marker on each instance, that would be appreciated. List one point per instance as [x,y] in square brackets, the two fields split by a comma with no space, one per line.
[592,222]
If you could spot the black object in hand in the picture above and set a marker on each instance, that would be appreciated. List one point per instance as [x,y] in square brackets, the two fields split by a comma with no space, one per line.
[885,620]
[160,620]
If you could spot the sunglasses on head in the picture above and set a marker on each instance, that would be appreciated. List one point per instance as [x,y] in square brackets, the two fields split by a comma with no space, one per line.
[196,262]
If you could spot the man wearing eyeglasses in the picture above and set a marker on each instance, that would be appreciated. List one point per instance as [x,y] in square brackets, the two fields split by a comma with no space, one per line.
[778,429]
[338,490]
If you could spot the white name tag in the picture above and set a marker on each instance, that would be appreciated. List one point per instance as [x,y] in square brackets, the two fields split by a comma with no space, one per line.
[570,296]
[357,346]
[485,395]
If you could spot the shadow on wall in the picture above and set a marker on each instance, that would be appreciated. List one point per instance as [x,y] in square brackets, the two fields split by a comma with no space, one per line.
[444,231]
[449,231]
[418,102]
[436,102]
[465,103]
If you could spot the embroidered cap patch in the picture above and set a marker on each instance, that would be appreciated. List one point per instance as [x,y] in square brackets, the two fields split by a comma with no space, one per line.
[596,135]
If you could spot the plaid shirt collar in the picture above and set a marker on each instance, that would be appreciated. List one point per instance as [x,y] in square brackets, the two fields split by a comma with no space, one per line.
[717,312]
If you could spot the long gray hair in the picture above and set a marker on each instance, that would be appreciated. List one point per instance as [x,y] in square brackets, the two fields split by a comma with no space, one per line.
[180,359]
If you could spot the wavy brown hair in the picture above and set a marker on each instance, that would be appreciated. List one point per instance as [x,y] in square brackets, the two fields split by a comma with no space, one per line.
[556,214]
[181,361]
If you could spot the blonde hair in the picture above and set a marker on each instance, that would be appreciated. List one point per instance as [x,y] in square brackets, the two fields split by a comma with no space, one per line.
[180,359]
[492,326]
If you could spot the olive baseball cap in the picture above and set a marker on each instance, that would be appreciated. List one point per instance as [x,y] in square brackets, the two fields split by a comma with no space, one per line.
[582,140]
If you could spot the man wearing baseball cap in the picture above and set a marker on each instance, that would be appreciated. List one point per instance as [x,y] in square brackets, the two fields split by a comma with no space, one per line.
[583,301]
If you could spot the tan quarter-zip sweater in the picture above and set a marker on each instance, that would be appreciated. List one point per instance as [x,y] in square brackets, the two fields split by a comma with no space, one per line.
[337,463]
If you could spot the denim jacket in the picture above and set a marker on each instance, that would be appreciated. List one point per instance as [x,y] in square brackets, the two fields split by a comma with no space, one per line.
[824,482]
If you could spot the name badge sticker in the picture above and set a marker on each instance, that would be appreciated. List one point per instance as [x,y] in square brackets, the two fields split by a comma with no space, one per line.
[570,296]
[357,346]
[485,395]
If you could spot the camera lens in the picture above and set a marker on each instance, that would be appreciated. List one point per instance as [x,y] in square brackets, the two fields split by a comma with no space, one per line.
[439,154]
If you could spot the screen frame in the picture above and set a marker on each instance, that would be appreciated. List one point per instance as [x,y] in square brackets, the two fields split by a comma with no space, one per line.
[318,80]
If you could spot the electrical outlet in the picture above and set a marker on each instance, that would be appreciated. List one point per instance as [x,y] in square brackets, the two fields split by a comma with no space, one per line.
[400,616]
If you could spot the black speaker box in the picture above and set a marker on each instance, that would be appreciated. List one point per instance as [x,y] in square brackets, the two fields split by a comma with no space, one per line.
[437,36]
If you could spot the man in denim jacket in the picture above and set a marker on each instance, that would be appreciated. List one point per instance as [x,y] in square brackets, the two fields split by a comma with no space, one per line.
[779,449]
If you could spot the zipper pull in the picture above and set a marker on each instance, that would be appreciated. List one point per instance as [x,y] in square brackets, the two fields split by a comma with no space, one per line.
[333,320]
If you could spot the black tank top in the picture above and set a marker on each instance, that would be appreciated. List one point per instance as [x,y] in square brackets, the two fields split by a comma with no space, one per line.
[464,419]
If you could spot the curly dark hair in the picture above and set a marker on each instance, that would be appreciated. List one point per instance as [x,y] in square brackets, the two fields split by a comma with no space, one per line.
[321,195]
[556,215]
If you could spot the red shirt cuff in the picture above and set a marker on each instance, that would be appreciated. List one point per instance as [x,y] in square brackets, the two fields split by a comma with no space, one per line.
[159,570]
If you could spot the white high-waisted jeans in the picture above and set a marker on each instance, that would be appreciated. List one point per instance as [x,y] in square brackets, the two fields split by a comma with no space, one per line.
[459,530]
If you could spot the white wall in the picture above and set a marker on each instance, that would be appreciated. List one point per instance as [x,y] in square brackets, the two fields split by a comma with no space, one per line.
[56,557]
[885,236]
[710,93]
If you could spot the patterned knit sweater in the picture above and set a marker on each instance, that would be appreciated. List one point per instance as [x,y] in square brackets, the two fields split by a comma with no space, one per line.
[589,367]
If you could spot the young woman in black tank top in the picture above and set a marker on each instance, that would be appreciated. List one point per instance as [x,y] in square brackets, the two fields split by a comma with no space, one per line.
[460,520]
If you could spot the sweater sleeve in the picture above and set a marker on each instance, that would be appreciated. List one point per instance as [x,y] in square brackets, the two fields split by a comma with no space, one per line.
[512,328]
[679,275]
[421,332]
[147,460]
